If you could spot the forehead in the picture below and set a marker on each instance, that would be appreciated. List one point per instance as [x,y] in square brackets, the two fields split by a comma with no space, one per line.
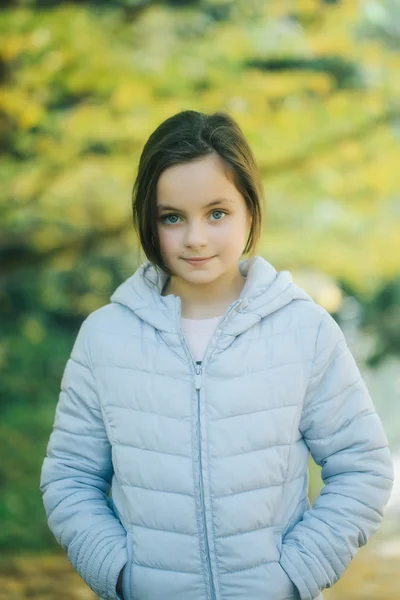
[196,183]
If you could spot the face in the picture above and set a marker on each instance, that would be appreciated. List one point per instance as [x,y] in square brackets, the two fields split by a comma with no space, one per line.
[201,214]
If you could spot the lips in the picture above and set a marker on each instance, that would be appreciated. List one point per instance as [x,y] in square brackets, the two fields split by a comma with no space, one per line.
[198,261]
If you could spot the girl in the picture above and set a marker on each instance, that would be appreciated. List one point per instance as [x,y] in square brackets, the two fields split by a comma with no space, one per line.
[177,466]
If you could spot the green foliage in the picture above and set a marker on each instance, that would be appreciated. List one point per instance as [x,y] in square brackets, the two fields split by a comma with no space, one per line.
[82,88]
[381,315]
[41,315]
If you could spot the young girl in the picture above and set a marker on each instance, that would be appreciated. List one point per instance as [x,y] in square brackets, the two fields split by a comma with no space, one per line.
[177,466]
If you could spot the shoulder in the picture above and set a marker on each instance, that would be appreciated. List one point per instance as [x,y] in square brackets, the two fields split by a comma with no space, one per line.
[306,313]
[311,323]
[322,331]
[107,336]
[103,329]
[111,318]
[316,314]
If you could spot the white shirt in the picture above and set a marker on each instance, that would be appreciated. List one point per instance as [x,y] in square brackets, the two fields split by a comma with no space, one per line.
[198,333]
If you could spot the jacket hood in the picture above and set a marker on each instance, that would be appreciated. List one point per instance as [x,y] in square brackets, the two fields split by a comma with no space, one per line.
[266,290]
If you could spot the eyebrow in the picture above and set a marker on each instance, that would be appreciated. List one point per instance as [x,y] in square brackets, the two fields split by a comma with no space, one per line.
[162,207]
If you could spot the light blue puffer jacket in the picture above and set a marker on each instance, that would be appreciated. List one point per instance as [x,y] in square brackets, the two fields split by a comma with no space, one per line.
[208,466]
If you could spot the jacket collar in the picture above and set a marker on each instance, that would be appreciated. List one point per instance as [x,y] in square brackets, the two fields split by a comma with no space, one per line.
[266,290]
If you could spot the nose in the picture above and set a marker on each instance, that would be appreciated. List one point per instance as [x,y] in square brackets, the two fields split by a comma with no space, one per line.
[195,235]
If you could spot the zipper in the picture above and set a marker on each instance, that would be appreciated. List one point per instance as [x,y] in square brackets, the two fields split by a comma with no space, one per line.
[203,512]
[198,382]
[198,377]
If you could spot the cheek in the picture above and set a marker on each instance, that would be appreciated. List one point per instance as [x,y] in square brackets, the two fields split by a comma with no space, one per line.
[233,230]
[168,238]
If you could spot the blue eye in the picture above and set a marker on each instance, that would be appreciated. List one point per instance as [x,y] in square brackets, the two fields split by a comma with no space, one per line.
[167,217]
[219,211]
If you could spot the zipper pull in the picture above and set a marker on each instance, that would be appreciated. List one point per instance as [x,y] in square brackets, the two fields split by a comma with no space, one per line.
[198,377]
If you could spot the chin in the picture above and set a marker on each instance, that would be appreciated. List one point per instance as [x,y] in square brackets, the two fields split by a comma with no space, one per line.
[200,277]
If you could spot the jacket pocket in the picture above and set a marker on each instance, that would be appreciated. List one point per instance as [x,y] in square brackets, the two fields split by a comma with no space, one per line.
[286,587]
[127,571]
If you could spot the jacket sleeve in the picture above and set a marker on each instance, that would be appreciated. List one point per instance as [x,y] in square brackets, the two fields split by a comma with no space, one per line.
[76,476]
[346,438]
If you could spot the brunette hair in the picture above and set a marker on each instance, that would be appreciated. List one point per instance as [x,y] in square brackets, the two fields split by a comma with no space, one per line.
[183,137]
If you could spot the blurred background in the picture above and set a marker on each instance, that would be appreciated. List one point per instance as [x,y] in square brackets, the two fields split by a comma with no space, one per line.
[315,86]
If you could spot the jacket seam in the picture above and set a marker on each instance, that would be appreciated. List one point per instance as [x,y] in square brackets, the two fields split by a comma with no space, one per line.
[137,564]
[147,412]
[356,500]
[253,412]
[78,362]
[369,473]
[126,444]
[140,487]
[340,429]
[98,365]
[261,564]
[164,530]
[310,407]
[264,487]
[254,450]
[270,368]
[94,437]
[231,535]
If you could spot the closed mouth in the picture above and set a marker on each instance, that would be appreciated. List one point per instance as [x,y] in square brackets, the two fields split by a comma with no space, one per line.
[199,259]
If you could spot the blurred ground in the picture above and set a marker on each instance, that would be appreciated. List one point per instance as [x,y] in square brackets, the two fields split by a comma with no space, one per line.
[373,575]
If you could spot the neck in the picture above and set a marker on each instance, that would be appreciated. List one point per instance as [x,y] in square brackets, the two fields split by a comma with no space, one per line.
[206,300]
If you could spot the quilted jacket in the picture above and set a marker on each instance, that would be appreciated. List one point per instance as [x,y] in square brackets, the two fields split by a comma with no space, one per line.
[193,478]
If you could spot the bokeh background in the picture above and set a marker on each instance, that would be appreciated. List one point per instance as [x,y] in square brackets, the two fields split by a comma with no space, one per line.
[314,84]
